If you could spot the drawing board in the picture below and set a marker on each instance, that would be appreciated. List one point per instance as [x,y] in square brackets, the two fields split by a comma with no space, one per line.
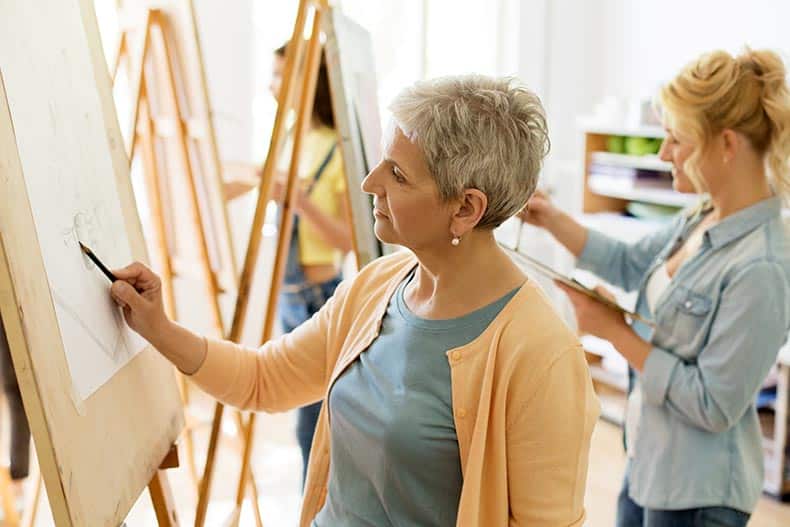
[103,406]
[352,78]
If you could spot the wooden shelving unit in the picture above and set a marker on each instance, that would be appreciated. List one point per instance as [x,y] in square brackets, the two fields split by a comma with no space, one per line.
[611,196]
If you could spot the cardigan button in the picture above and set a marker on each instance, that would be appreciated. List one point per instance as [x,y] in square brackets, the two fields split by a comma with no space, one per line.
[461,413]
[456,356]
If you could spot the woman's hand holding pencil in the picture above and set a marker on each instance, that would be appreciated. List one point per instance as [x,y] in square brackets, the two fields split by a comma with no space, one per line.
[138,290]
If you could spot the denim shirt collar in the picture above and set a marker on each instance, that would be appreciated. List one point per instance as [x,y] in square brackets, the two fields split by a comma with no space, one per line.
[736,225]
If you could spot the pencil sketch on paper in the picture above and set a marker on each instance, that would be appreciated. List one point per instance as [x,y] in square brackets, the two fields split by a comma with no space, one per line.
[96,340]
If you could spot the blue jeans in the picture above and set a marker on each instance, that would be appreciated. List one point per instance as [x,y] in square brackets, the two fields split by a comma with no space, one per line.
[630,514]
[296,308]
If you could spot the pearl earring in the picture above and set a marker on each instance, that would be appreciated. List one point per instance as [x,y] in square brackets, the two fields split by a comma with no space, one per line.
[455,241]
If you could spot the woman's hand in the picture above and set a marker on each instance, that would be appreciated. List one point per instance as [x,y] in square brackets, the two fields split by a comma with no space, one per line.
[592,316]
[138,291]
[600,320]
[278,195]
[539,210]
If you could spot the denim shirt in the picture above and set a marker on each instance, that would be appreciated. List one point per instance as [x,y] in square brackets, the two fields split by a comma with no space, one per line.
[719,327]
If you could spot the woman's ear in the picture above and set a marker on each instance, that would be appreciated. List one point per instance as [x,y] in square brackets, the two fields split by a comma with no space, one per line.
[730,143]
[470,209]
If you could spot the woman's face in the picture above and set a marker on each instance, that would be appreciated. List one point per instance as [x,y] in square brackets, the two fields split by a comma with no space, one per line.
[676,150]
[407,206]
[278,64]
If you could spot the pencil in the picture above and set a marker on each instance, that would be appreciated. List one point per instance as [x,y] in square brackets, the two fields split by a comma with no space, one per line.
[98,263]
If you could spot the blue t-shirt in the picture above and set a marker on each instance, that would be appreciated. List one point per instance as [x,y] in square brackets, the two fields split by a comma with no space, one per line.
[395,458]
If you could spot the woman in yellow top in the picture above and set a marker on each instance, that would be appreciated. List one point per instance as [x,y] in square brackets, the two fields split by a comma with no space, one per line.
[321,228]
[454,393]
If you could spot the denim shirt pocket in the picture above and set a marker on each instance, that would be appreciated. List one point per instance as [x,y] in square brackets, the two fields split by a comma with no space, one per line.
[687,313]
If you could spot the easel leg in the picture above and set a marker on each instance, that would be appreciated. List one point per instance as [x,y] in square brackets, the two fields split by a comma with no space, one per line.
[161,496]
[253,486]
[303,116]
[245,460]
[162,499]
[189,443]
[208,471]
[153,184]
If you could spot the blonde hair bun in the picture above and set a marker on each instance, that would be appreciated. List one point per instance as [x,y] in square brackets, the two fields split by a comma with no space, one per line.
[747,93]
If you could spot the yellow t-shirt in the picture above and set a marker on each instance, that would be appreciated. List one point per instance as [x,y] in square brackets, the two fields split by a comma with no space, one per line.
[326,194]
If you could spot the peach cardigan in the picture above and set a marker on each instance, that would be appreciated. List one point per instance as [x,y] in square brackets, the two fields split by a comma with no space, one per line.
[522,397]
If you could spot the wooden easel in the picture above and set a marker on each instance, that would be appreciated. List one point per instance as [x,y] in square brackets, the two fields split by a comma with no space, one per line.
[97,449]
[144,133]
[146,129]
[159,487]
[303,110]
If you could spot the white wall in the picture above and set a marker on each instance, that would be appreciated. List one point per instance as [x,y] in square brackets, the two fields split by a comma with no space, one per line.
[661,37]
[227,40]
[572,52]
[575,52]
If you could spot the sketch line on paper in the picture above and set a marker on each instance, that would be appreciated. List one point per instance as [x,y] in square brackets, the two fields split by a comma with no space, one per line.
[84,229]
[117,350]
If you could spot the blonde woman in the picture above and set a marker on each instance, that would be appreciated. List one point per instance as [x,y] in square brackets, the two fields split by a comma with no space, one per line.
[717,284]
[453,394]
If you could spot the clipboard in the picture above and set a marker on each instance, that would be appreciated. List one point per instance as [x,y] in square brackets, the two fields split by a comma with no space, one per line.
[574,284]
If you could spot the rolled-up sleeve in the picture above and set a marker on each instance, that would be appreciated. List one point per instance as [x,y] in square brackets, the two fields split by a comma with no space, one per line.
[622,264]
[284,373]
[749,328]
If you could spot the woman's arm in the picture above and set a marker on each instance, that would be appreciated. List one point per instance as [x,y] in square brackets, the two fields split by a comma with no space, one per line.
[570,233]
[713,392]
[746,334]
[284,373]
[597,319]
[138,291]
[619,263]
[548,443]
[622,264]
[541,212]
[336,231]
[239,178]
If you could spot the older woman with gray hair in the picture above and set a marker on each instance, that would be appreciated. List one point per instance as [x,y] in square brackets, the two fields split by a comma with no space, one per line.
[453,394]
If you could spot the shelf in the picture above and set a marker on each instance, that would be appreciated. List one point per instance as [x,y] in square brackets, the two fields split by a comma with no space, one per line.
[634,131]
[616,187]
[646,162]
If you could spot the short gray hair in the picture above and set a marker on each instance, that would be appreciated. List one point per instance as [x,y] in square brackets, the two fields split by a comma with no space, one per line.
[477,132]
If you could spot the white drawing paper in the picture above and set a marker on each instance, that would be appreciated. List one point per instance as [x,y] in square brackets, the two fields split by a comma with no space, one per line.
[65,148]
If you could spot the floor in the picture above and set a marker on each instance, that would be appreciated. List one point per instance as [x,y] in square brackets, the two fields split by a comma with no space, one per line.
[277,474]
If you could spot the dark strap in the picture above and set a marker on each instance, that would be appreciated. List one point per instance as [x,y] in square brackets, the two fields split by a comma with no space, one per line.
[293,268]
[321,168]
